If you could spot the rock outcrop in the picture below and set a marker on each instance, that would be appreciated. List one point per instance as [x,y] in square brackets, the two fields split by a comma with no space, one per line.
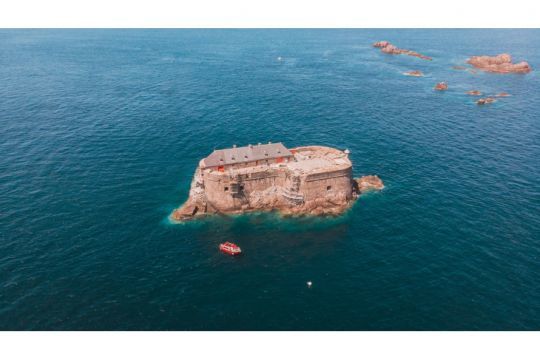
[501,64]
[474,93]
[416,73]
[381,44]
[388,48]
[369,183]
[312,180]
[484,101]
[442,86]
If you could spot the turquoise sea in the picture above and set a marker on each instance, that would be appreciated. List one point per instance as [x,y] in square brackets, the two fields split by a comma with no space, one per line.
[101,131]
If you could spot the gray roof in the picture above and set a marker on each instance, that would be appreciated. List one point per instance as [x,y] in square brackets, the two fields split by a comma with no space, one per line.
[237,155]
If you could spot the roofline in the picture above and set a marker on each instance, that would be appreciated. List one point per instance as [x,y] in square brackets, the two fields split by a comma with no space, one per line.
[286,154]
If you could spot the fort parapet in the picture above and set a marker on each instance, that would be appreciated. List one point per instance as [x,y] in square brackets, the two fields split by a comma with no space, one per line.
[313,180]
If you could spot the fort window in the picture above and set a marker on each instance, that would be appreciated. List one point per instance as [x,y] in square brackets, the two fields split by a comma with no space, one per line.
[328,188]
[226,188]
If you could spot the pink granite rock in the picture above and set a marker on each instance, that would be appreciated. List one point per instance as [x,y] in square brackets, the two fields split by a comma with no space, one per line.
[416,73]
[501,64]
[441,86]
[388,48]
[381,44]
[474,93]
[369,183]
[484,101]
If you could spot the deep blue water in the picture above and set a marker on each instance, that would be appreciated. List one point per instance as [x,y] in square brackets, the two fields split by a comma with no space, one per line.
[101,131]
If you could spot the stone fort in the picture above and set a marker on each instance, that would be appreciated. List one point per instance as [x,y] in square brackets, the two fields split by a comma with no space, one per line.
[311,179]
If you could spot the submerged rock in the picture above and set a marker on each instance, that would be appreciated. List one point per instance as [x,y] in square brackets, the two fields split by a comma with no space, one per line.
[501,63]
[416,73]
[474,93]
[502,94]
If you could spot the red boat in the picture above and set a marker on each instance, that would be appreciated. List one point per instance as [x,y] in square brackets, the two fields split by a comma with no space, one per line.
[230,248]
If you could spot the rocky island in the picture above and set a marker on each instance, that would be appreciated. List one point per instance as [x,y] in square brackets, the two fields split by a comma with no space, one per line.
[388,48]
[309,180]
[501,63]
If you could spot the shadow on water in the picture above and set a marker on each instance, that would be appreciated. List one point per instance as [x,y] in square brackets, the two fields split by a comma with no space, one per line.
[264,220]
[266,237]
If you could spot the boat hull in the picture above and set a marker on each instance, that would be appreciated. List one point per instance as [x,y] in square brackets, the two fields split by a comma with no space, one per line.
[230,249]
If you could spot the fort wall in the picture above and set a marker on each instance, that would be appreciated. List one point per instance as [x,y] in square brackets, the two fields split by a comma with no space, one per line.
[314,180]
[331,185]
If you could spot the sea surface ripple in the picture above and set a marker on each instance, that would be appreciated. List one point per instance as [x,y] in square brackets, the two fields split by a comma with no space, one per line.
[101,131]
